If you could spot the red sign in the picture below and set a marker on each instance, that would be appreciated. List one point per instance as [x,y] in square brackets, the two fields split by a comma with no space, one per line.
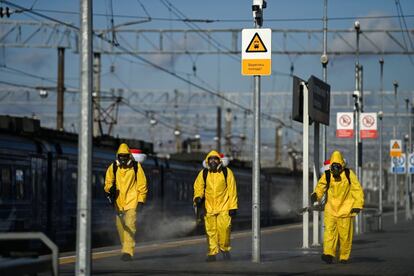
[344,125]
[368,125]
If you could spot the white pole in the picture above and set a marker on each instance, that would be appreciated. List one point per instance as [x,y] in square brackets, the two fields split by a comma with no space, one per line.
[324,60]
[315,225]
[407,173]
[257,8]
[395,135]
[256,175]
[357,96]
[305,166]
[83,233]
[381,61]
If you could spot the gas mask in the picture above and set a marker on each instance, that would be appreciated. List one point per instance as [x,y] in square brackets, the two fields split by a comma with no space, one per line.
[336,170]
[214,163]
[124,159]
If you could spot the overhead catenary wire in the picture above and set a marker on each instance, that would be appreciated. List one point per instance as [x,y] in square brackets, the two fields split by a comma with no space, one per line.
[123,101]
[207,37]
[160,117]
[401,21]
[264,115]
[235,20]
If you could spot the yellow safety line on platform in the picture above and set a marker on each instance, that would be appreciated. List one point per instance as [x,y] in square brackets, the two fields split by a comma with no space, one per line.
[171,244]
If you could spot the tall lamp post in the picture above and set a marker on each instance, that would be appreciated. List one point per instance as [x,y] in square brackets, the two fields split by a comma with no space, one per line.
[407,139]
[380,116]
[357,112]
[395,83]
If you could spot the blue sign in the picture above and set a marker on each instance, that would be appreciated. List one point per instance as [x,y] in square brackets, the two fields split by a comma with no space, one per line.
[398,164]
[411,163]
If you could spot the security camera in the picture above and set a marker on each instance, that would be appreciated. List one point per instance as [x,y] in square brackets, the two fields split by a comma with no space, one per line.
[356,94]
[395,83]
[357,25]
[258,4]
[380,114]
[43,93]
[153,122]
[324,59]
[257,8]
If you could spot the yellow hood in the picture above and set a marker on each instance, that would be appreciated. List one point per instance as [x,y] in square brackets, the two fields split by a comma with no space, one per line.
[212,153]
[336,157]
[123,149]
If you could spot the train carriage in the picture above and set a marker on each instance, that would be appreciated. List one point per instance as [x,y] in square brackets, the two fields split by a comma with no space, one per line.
[38,188]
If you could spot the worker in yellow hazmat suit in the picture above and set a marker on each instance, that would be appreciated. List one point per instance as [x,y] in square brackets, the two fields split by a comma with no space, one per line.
[345,199]
[125,181]
[215,186]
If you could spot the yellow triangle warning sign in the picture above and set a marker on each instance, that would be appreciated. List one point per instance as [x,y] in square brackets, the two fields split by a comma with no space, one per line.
[256,45]
[395,145]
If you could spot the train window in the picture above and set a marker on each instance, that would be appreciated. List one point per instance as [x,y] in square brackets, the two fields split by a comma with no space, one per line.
[74,184]
[5,185]
[183,191]
[98,182]
[101,185]
[19,184]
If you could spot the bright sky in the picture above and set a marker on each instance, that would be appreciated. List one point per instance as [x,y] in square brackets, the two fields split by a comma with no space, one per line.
[220,73]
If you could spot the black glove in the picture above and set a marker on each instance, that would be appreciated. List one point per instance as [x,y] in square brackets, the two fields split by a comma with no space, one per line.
[139,206]
[112,195]
[197,201]
[313,198]
[355,210]
[233,213]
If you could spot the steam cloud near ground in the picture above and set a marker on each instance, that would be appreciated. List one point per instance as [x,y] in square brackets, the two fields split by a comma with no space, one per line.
[157,225]
[285,202]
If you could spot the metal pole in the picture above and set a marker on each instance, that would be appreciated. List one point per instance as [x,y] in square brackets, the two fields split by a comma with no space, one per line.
[407,173]
[218,129]
[357,115]
[305,167]
[60,88]
[257,8]
[83,234]
[256,173]
[315,217]
[381,113]
[395,134]
[324,61]
[227,144]
[360,151]
[278,145]
[97,130]
[411,150]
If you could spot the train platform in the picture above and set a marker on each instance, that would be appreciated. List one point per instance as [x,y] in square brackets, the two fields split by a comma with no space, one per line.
[389,252]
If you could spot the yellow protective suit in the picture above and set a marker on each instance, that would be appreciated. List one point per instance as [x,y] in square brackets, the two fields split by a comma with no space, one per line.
[342,198]
[131,189]
[220,197]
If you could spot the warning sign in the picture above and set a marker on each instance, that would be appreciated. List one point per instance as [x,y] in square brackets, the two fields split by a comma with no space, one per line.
[395,148]
[256,45]
[344,125]
[256,52]
[368,123]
